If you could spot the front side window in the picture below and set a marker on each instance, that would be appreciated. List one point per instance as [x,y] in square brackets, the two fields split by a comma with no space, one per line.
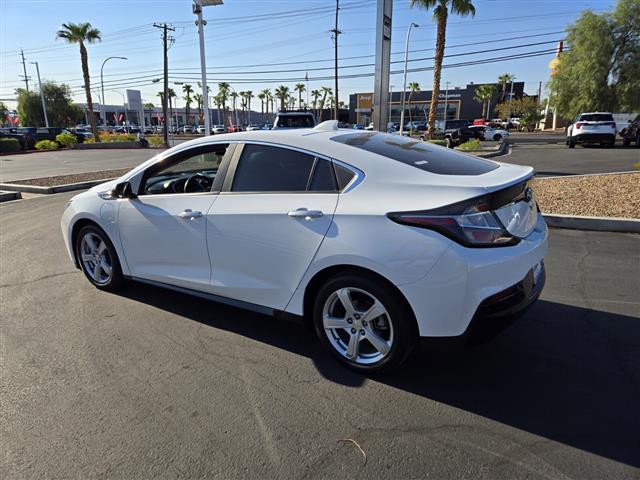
[192,172]
[265,168]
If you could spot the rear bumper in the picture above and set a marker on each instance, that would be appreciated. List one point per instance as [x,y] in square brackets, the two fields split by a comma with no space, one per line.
[593,137]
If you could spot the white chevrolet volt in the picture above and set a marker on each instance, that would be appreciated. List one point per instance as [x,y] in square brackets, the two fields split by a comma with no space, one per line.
[377,239]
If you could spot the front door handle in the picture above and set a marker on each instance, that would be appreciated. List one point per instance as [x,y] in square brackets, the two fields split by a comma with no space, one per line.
[305,213]
[191,214]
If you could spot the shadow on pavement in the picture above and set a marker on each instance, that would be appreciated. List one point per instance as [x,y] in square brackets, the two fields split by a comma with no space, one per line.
[566,373]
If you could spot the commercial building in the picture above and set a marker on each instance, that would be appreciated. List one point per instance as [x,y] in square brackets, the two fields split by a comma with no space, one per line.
[460,104]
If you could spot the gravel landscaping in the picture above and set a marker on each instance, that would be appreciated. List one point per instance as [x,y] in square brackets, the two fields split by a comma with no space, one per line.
[615,195]
[74,178]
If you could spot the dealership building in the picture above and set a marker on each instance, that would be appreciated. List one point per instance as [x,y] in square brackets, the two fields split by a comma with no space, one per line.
[460,104]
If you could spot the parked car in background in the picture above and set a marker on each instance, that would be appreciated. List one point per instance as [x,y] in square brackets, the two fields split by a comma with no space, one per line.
[457,132]
[459,241]
[200,129]
[358,126]
[485,132]
[593,127]
[13,133]
[267,126]
[252,128]
[82,134]
[287,120]
[344,125]
[218,129]
[187,129]
[631,133]
[33,135]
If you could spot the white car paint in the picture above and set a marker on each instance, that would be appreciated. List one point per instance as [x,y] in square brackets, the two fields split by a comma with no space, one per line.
[245,246]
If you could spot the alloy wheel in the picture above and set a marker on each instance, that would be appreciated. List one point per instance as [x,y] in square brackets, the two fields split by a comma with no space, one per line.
[95,258]
[358,325]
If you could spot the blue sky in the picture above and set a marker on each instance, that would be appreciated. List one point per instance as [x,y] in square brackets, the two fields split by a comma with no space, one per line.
[272,35]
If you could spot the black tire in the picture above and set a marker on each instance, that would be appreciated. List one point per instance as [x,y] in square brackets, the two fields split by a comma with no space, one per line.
[400,316]
[638,140]
[626,142]
[572,144]
[115,280]
[497,137]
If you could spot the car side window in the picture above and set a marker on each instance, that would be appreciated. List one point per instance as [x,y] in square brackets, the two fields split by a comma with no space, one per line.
[190,172]
[265,168]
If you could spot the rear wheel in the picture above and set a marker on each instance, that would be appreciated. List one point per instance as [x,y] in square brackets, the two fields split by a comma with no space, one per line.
[98,258]
[364,324]
[638,140]
[571,144]
[497,137]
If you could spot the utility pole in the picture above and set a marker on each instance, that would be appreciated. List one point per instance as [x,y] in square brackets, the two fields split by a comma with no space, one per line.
[165,45]
[24,69]
[446,100]
[510,97]
[44,105]
[336,32]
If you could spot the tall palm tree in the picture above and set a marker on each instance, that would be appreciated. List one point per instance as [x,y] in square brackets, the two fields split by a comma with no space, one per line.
[282,92]
[300,88]
[248,95]
[503,81]
[315,94]
[483,95]
[172,94]
[261,96]
[223,94]
[234,98]
[198,99]
[267,96]
[82,33]
[326,91]
[440,14]
[188,90]
[414,87]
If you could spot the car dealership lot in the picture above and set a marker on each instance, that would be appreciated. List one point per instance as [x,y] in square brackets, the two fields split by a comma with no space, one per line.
[151,383]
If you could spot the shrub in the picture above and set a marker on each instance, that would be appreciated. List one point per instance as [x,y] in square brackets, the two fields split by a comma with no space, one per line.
[46,145]
[470,145]
[66,139]
[118,137]
[9,145]
[155,140]
[442,143]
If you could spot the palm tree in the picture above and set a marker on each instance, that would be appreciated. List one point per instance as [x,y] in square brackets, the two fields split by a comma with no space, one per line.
[198,98]
[414,87]
[267,96]
[503,80]
[80,33]
[440,13]
[484,94]
[282,92]
[172,94]
[326,91]
[261,96]
[248,95]
[223,94]
[300,88]
[315,94]
[234,97]
[188,90]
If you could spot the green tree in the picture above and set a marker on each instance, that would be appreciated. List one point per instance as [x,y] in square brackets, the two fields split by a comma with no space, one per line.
[223,94]
[483,95]
[262,96]
[315,94]
[61,110]
[601,69]
[300,88]
[188,90]
[4,111]
[197,97]
[282,92]
[440,14]
[82,33]
[413,87]
[504,80]
[519,107]
[326,92]
[267,96]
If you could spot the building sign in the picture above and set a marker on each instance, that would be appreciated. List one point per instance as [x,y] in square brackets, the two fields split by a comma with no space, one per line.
[365,103]
[450,95]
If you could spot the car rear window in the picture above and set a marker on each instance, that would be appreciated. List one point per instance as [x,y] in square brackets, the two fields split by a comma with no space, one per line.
[295,121]
[596,117]
[418,154]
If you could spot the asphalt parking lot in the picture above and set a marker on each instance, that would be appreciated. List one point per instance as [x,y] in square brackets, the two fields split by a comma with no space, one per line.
[155,384]
[560,160]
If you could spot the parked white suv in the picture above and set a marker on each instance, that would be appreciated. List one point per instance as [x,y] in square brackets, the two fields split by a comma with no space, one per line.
[291,120]
[594,127]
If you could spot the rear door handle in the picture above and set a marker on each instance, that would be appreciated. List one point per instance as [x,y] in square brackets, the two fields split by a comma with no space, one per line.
[188,213]
[305,213]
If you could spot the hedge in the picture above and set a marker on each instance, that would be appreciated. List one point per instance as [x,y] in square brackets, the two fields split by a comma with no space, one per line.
[9,145]
[46,145]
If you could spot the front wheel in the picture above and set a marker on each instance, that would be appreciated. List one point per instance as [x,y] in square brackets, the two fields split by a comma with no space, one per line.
[98,258]
[364,324]
[497,137]
[571,144]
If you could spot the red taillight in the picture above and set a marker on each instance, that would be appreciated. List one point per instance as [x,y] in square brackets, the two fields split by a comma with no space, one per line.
[579,125]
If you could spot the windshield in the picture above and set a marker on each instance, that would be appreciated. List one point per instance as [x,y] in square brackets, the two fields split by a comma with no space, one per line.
[596,117]
[422,155]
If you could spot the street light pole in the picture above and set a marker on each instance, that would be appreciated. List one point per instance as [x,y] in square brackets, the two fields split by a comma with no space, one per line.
[510,97]
[404,81]
[102,110]
[44,106]
[446,99]
[390,98]
[197,9]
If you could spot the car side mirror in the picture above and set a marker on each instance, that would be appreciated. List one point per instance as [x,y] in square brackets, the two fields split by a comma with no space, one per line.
[122,190]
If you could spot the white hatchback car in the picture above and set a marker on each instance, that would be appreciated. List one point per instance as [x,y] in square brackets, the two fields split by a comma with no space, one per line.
[377,239]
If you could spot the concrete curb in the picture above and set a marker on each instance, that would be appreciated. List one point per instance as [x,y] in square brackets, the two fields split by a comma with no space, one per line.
[7,196]
[15,187]
[601,224]
[502,150]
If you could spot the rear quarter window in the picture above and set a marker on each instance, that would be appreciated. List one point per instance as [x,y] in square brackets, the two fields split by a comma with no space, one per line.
[421,155]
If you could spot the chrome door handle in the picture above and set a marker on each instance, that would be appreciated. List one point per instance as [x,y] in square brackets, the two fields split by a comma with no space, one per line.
[188,213]
[305,213]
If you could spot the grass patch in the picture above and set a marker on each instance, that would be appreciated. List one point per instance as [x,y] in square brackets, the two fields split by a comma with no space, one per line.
[470,145]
